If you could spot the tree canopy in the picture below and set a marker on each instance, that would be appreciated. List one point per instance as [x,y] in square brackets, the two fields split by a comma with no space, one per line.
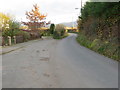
[100,9]
[4,21]
[35,18]
[34,15]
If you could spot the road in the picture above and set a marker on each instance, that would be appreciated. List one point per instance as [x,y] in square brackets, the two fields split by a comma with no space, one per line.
[58,64]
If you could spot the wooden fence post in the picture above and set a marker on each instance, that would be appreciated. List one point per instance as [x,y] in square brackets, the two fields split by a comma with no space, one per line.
[9,40]
[14,37]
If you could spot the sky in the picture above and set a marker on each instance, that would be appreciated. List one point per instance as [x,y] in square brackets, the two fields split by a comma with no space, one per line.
[58,11]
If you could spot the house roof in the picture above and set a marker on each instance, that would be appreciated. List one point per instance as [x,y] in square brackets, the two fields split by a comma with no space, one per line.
[43,28]
[70,28]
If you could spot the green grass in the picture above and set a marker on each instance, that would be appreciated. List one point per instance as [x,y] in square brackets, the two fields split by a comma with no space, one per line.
[105,48]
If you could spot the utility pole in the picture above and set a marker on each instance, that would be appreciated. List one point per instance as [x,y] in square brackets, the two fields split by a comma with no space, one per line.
[72,22]
[81,3]
[81,6]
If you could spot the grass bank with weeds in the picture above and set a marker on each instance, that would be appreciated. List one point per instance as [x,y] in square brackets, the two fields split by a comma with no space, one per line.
[105,48]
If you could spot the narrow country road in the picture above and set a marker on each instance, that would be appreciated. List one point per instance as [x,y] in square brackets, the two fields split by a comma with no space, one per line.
[58,64]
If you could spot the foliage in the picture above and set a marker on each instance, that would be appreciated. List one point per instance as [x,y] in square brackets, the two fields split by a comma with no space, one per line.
[59,27]
[8,25]
[62,32]
[26,35]
[100,20]
[45,33]
[24,27]
[100,9]
[35,18]
[12,30]
[52,28]
[99,24]
[4,21]
[83,40]
[35,15]
[105,48]
[56,35]
[59,32]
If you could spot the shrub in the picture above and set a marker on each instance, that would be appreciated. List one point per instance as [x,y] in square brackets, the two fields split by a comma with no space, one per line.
[56,35]
[12,30]
[26,35]
[52,28]
[59,27]
[59,32]
[94,43]
[106,48]
[84,41]
[62,32]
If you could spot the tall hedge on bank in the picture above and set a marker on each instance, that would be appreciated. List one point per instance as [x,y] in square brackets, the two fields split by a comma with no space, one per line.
[99,23]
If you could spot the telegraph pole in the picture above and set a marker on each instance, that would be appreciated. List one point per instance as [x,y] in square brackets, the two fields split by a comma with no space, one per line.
[81,3]
[81,7]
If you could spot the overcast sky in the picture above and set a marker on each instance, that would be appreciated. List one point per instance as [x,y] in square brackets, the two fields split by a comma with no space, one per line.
[58,10]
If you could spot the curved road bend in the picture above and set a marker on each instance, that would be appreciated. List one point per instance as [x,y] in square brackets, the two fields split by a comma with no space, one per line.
[58,64]
[83,68]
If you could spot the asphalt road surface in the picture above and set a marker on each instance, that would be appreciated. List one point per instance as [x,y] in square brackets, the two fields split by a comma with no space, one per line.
[58,64]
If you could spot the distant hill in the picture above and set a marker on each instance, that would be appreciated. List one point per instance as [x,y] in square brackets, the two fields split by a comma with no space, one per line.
[67,24]
[70,24]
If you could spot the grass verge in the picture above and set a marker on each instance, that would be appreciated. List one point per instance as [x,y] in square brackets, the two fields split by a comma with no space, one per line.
[105,48]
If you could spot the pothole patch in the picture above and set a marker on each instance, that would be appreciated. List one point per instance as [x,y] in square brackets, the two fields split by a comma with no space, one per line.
[43,50]
[46,75]
[37,51]
[44,59]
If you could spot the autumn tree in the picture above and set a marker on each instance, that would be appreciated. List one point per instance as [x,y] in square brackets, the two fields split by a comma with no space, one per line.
[8,25]
[4,21]
[35,18]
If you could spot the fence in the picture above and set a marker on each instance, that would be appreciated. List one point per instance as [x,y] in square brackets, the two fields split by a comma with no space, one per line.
[5,41]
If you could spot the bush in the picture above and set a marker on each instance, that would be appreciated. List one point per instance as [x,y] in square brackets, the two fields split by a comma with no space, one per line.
[52,28]
[106,48]
[10,33]
[56,35]
[99,28]
[59,27]
[62,32]
[59,32]
[12,30]
[26,35]
[83,41]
